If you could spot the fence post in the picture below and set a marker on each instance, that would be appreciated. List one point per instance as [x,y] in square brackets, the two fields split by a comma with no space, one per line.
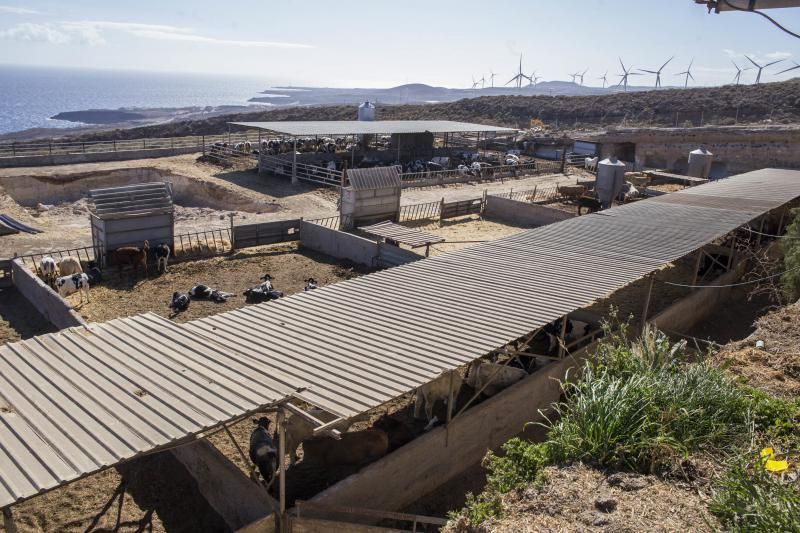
[50,146]
[563,159]
[172,142]
[115,145]
[483,202]
[233,237]
[204,145]
[441,210]
[144,143]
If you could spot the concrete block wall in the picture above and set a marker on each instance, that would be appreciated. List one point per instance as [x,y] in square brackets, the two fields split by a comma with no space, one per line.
[43,298]
[522,213]
[69,159]
[351,247]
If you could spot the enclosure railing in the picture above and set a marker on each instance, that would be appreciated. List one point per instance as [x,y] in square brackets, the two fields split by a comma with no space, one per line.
[441,177]
[305,172]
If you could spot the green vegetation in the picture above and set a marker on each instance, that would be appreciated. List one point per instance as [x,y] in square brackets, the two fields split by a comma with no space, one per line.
[791,257]
[643,406]
[751,499]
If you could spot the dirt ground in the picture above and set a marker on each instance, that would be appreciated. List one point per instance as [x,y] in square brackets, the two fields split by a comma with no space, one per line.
[580,498]
[66,225]
[776,367]
[286,263]
[463,232]
[19,319]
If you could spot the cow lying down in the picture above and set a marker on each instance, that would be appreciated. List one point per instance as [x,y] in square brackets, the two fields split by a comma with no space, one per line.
[353,448]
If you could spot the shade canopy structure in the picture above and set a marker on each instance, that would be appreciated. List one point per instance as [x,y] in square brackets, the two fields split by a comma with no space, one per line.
[77,401]
[312,128]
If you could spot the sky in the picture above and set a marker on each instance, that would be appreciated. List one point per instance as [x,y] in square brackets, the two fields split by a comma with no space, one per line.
[377,43]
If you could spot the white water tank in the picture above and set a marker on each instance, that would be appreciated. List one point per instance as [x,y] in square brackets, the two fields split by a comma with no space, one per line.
[610,179]
[366,111]
[700,163]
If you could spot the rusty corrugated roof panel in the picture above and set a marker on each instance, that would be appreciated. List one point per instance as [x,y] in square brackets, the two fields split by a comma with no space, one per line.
[312,128]
[403,234]
[83,399]
[374,178]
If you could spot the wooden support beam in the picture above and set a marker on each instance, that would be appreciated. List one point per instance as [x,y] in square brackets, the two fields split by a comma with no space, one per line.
[562,336]
[479,391]
[700,253]
[317,423]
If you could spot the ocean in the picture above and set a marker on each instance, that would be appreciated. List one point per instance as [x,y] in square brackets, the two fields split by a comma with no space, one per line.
[29,96]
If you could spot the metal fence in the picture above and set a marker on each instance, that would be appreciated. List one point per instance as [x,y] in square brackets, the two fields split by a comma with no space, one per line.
[443,177]
[204,243]
[537,195]
[305,172]
[410,213]
[263,233]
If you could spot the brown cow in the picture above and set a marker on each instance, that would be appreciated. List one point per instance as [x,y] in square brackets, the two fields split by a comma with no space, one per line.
[131,255]
[353,448]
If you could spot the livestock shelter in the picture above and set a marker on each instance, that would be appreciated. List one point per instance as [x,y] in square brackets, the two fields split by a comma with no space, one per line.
[387,141]
[373,195]
[131,214]
[114,395]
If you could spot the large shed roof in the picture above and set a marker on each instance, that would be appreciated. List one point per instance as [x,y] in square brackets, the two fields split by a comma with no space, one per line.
[366,127]
[76,401]
[85,398]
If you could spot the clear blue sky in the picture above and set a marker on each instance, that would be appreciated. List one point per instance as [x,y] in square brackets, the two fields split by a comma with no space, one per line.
[379,43]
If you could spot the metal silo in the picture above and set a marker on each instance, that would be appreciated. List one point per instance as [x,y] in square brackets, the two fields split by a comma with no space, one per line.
[610,179]
[366,111]
[700,163]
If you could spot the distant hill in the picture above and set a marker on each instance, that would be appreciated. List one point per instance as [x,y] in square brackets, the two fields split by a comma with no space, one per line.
[778,102]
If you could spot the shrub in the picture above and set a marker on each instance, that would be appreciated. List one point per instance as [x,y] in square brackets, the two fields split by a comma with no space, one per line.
[521,464]
[749,498]
[478,509]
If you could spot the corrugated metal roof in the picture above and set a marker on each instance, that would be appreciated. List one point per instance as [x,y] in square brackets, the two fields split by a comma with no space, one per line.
[404,234]
[365,341]
[77,401]
[374,178]
[131,200]
[365,127]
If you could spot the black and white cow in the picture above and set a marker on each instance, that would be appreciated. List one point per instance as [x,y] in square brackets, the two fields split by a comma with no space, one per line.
[204,292]
[180,302]
[67,285]
[162,256]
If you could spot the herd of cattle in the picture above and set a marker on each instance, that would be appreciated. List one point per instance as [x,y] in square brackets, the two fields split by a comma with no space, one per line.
[326,145]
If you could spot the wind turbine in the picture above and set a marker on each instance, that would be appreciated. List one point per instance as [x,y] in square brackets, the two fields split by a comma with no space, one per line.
[474,82]
[658,72]
[573,76]
[483,81]
[582,74]
[688,73]
[519,76]
[605,79]
[491,77]
[760,68]
[624,76]
[533,79]
[796,66]
[739,71]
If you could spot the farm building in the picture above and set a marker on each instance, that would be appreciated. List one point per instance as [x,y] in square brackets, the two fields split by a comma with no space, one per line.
[351,348]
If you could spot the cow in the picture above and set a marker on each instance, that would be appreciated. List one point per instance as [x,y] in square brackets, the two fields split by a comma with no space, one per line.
[495,377]
[298,429]
[204,292]
[48,269]
[353,448]
[591,204]
[131,255]
[262,451]
[67,285]
[162,256]
[311,284]
[438,389]
[69,266]
[180,302]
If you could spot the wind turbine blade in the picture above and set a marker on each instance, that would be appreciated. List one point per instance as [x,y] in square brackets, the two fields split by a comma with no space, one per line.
[735,65]
[665,64]
[753,62]
[769,64]
[649,71]
[796,66]
[622,65]
[690,75]
[690,64]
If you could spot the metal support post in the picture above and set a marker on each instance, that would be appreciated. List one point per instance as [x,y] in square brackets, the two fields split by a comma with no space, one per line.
[450,401]
[733,250]
[281,417]
[647,301]
[562,336]
[8,520]
[697,266]
[294,160]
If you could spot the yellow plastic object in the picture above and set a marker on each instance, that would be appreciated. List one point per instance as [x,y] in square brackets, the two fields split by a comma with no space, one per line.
[771,464]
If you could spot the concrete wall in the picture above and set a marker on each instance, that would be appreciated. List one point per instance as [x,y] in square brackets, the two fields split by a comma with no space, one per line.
[698,305]
[372,205]
[234,496]
[522,213]
[69,159]
[43,298]
[424,464]
[347,246]
[736,149]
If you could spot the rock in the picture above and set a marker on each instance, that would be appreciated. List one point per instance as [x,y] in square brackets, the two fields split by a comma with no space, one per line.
[605,503]
[627,481]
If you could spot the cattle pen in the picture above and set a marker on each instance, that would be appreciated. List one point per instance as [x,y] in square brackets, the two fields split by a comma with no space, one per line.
[375,338]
